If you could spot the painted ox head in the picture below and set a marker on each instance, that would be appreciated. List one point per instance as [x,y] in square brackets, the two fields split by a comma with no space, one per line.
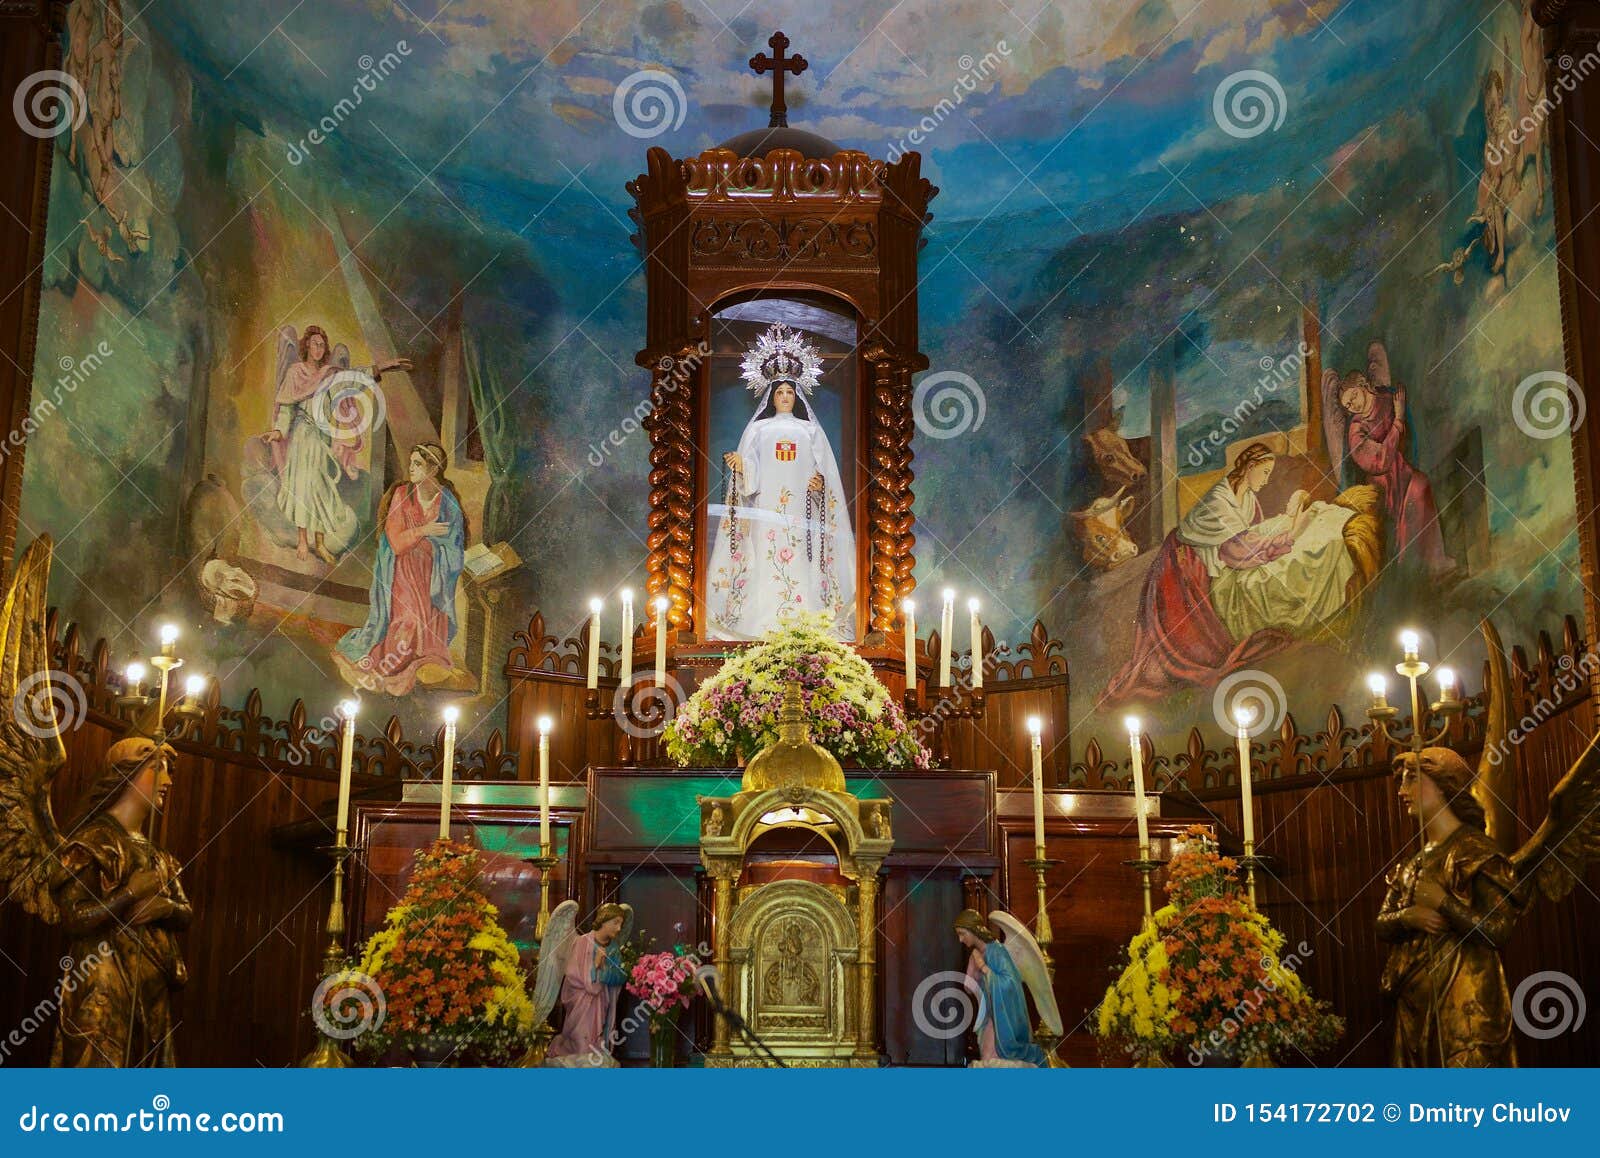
[1100,535]
[1112,458]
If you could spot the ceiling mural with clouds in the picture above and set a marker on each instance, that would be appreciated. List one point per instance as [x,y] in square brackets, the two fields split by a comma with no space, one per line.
[1187,260]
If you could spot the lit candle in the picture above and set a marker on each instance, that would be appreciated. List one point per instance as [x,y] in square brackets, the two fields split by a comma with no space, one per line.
[169,637]
[1447,685]
[1035,725]
[1243,716]
[661,642]
[194,685]
[347,743]
[910,609]
[1132,723]
[1409,644]
[947,628]
[135,676]
[1379,687]
[977,646]
[594,644]
[451,715]
[544,785]
[625,672]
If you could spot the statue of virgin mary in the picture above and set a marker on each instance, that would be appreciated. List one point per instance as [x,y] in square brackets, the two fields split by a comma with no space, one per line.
[784,541]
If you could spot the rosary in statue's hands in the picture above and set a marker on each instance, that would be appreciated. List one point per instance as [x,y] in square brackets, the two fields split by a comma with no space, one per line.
[732,460]
[816,484]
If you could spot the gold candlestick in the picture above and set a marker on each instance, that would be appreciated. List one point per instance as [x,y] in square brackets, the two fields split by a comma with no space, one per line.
[328,1053]
[1043,934]
[542,1033]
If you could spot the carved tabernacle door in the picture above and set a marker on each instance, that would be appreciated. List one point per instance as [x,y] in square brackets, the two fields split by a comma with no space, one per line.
[779,225]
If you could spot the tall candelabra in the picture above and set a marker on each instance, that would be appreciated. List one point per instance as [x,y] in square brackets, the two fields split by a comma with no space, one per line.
[545,862]
[149,713]
[1412,668]
[328,1053]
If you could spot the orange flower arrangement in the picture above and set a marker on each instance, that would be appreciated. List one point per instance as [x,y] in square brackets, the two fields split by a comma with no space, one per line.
[1207,975]
[447,973]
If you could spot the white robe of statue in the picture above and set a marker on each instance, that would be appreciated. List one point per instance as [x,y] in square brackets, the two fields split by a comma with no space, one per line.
[763,563]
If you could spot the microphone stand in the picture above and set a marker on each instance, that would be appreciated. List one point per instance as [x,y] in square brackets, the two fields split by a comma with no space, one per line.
[732,1017]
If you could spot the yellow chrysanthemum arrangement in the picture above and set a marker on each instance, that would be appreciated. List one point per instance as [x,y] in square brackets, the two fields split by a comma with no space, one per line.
[1207,976]
[444,971]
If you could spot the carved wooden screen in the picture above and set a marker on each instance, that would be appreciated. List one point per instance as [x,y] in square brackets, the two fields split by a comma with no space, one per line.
[718,230]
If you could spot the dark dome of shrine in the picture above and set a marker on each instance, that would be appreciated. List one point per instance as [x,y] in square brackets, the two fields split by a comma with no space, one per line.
[760,142]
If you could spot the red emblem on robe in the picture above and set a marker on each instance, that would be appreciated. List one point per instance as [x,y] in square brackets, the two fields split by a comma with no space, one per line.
[784,451]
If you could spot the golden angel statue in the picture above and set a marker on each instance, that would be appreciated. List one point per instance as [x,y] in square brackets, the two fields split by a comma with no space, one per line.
[997,972]
[584,971]
[117,895]
[1451,907]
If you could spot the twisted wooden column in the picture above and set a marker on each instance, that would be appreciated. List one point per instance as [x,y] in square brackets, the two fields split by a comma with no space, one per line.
[889,490]
[671,521]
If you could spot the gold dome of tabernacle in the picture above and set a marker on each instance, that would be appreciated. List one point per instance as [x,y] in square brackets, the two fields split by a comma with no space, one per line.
[794,761]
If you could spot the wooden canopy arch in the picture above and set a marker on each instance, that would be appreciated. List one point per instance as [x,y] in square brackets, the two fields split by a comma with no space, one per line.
[724,225]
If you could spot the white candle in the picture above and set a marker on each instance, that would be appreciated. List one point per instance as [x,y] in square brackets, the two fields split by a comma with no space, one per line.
[1447,685]
[947,628]
[1244,716]
[1035,725]
[347,742]
[977,646]
[193,686]
[1409,643]
[1138,786]
[661,643]
[451,715]
[544,785]
[625,672]
[135,678]
[594,644]
[910,610]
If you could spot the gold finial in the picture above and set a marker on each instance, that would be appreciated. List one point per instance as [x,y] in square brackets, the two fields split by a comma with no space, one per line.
[794,761]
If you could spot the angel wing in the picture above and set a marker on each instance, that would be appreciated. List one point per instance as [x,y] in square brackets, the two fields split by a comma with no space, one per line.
[31,751]
[1568,842]
[1495,787]
[560,931]
[1334,422]
[288,353]
[1029,960]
